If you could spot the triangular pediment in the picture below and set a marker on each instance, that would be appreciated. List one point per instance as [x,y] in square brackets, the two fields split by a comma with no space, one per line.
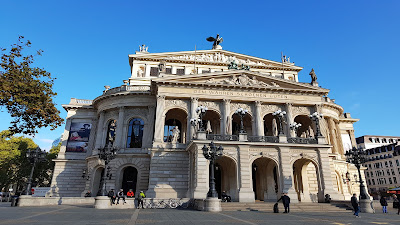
[214,57]
[240,79]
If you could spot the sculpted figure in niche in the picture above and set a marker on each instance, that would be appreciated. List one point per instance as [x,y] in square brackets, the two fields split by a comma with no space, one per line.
[175,134]
[274,127]
[161,67]
[140,72]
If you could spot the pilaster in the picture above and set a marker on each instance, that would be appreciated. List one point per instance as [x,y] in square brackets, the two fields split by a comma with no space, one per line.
[325,175]
[246,193]
[120,125]
[147,72]
[227,120]
[289,119]
[286,174]
[201,175]
[160,119]
[150,126]
[193,115]
[339,139]
[332,136]
[99,131]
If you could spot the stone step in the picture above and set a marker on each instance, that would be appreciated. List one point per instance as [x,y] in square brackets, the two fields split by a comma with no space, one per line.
[295,207]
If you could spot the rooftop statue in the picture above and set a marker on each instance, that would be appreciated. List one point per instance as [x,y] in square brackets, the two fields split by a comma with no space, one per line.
[217,40]
[313,76]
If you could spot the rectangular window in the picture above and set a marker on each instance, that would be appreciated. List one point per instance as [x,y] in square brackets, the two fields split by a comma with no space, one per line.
[153,71]
[386,164]
[369,182]
[372,174]
[168,70]
[373,182]
[384,179]
[180,71]
[394,180]
[397,162]
[398,170]
[390,180]
[367,174]
[370,166]
[388,172]
[393,172]
[390,164]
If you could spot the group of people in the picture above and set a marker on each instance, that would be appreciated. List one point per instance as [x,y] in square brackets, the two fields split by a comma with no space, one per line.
[129,194]
[356,204]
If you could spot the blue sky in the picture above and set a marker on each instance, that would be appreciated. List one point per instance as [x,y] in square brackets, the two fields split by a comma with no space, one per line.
[352,45]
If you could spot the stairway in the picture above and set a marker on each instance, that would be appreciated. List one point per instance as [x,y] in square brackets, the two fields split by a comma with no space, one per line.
[294,207]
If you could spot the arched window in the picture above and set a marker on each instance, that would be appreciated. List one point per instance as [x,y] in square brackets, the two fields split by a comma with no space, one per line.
[135,133]
[169,130]
[111,128]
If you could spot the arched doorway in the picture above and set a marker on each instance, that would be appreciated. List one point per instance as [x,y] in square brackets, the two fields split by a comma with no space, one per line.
[265,179]
[175,126]
[247,124]
[307,128]
[211,121]
[306,180]
[129,179]
[226,177]
[97,181]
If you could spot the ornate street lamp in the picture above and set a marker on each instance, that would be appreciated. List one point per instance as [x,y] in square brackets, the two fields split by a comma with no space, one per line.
[357,156]
[211,153]
[36,155]
[281,117]
[107,154]
[241,112]
[295,127]
[201,110]
[316,117]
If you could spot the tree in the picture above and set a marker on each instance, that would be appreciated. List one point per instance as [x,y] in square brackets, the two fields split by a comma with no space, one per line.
[15,168]
[26,91]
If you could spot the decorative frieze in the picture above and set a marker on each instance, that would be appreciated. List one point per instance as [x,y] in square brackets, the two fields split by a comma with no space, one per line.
[242,80]
[176,103]
[301,110]
[236,105]
[270,108]
[211,105]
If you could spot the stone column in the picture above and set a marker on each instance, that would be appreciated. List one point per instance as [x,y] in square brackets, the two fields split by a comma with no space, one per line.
[246,193]
[160,119]
[332,136]
[352,138]
[325,176]
[99,132]
[259,121]
[227,120]
[120,125]
[339,137]
[289,119]
[286,174]
[147,70]
[173,70]
[193,115]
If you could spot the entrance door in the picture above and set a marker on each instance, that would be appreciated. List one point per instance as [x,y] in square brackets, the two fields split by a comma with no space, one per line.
[129,179]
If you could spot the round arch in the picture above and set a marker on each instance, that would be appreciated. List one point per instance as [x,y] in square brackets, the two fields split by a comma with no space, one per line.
[247,124]
[175,117]
[306,180]
[265,178]
[307,129]
[120,176]
[97,180]
[226,177]
[212,121]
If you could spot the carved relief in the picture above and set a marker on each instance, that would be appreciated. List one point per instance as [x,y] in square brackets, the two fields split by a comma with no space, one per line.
[269,108]
[301,110]
[217,57]
[242,80]
[231,154]
[235,106]
[211,105]
[176,103]
[295,155]
[267,154]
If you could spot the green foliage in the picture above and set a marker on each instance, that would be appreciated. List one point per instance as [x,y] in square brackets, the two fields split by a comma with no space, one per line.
[15,168]
[26,91]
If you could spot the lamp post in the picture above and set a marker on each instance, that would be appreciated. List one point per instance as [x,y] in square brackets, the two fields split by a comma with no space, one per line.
[36,155]
[295,127]
[106,154]
[201,110]
[357,156]
[241,112]
[316,117]
[212,152]
[280,115]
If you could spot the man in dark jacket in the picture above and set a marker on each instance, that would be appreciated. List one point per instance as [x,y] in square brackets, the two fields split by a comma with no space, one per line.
[384,204]
[286,201]
[111,194]
[355,204]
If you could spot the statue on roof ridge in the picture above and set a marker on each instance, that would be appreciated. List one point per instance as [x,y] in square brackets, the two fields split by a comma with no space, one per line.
[313,78]
[217,40]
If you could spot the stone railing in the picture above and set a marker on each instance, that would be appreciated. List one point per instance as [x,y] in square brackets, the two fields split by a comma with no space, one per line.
[271,139]
[127,88]
[75,101]
[299,140]
[220,137]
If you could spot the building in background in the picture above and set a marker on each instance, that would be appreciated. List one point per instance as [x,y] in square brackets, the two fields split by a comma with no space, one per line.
[383,165]
[148,119]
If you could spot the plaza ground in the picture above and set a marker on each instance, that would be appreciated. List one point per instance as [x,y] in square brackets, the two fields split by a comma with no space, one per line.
[86,215]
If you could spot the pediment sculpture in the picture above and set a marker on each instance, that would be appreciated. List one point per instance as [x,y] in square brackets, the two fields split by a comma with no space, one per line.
[243,80]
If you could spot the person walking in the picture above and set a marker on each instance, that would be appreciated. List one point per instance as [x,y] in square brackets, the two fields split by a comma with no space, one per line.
[384,204]
[140,199]
[396,202]
[356,205]
[286,201]
[120,194]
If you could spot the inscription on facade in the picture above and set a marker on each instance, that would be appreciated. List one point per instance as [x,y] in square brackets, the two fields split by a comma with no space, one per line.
[242,94]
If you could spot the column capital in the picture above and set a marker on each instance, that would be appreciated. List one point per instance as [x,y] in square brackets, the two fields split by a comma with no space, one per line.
[194,99]
[258,103]
[227,100]
[121,108]
[160,97]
